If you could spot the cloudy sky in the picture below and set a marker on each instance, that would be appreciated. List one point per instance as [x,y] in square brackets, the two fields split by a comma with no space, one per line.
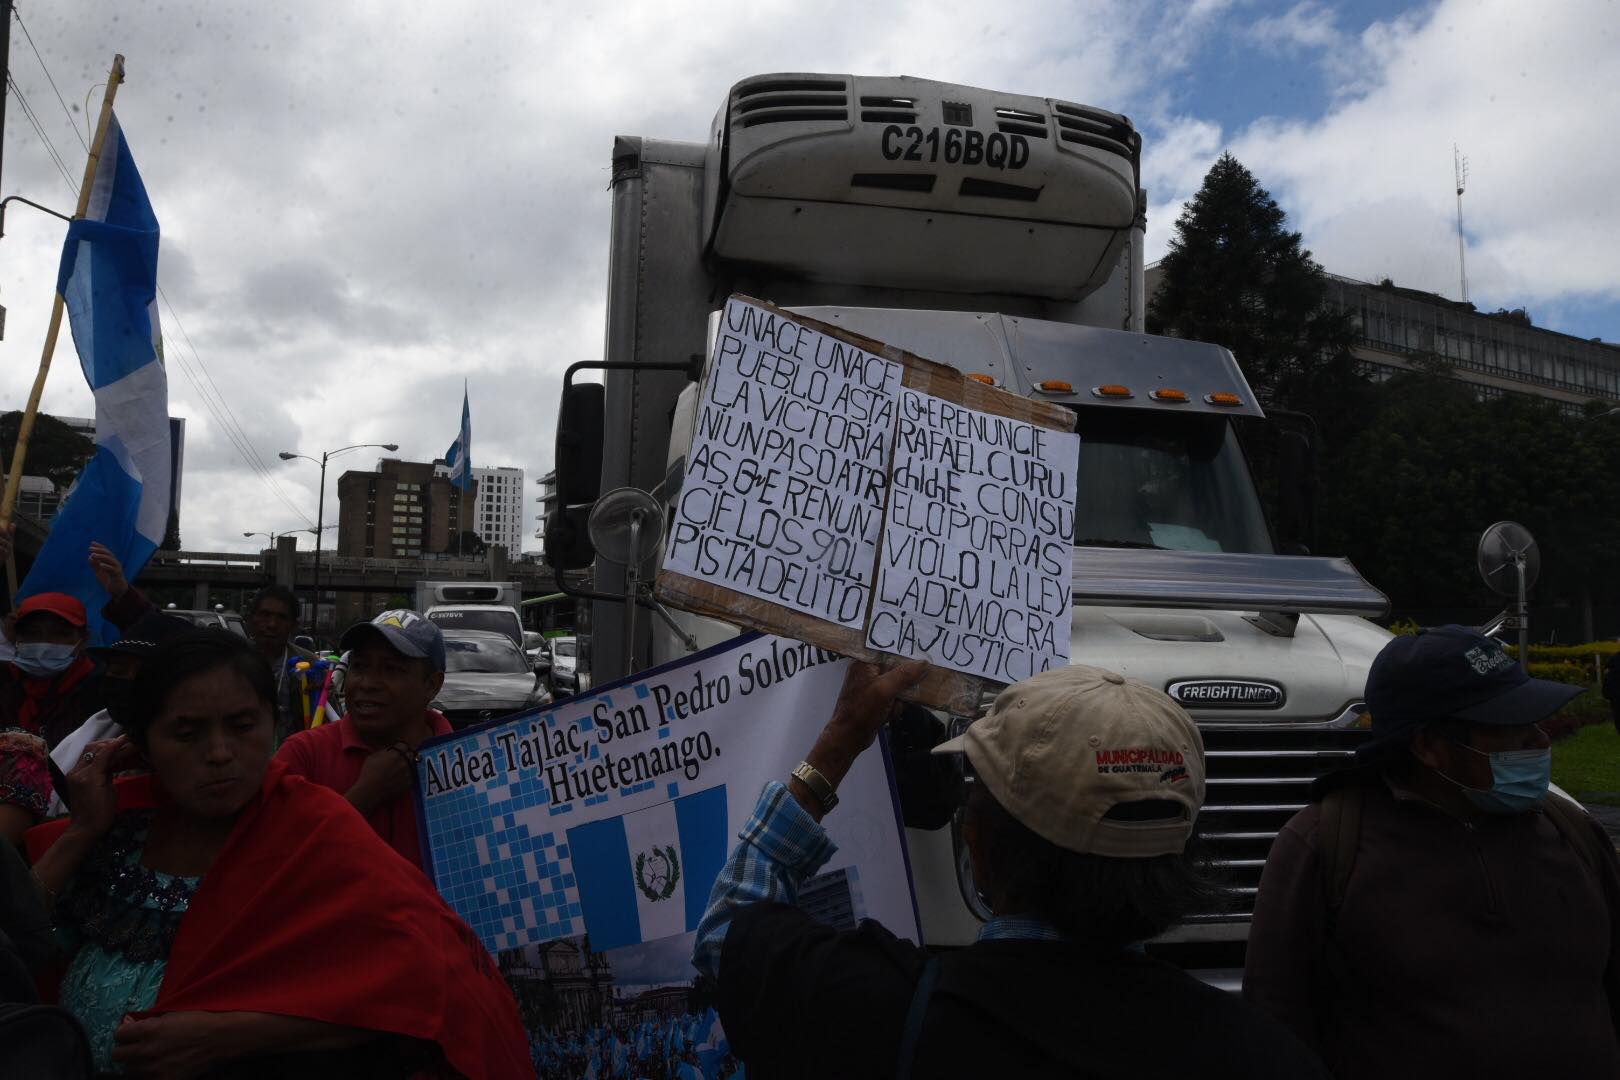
[365,203]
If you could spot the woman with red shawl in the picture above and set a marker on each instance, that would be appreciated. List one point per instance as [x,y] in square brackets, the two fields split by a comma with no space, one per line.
[233,920]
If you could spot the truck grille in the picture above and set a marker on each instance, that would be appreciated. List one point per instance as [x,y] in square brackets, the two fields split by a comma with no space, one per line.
[1257,780]
[779,101]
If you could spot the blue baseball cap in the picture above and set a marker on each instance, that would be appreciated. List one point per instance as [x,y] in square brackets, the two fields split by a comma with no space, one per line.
[405,631]
[1452,673]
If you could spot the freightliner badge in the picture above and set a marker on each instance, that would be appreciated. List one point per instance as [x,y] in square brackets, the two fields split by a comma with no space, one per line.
[1226,694]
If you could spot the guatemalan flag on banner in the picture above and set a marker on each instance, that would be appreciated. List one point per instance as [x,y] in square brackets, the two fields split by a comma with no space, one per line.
[647,875]
[458,457]
[108,279]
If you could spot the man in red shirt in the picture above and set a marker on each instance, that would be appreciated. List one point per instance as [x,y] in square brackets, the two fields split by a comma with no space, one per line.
[396,667]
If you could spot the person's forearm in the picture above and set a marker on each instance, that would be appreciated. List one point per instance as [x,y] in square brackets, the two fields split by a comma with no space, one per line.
[362,796]
[777,850]
[122,610]
[834,752]
[57,866]
[14,822]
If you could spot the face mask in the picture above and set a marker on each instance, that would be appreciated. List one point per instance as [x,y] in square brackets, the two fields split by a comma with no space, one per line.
[43,659]
[1519,780]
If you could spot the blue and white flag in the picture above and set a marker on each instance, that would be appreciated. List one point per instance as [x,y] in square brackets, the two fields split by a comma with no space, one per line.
[647,875]
[459,456]
[108,280]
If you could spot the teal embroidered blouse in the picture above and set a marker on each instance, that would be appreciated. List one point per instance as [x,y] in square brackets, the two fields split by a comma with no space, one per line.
[121,917]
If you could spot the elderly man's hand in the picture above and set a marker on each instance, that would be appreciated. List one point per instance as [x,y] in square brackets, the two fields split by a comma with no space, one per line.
[868,697]
[864,705]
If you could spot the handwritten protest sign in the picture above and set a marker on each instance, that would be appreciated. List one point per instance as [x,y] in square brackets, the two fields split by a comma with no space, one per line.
[738,546]
[610,815]
[784,487]
[978,542]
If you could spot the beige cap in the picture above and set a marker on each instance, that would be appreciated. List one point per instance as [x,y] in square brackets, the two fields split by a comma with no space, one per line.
[1063,748]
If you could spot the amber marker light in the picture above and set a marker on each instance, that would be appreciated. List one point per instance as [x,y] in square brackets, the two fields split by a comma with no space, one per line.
[1112,390]
[1168,394]
[1055,386]
[1229,400]
[981,377]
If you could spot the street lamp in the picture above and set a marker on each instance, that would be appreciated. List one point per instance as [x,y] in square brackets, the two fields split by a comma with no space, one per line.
[320,509]
[270,536]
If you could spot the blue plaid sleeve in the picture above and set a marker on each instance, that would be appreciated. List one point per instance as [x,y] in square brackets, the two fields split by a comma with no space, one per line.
[778,849]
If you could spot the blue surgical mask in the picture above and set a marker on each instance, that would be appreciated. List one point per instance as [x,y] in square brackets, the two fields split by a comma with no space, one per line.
[1519,780]
[43,659]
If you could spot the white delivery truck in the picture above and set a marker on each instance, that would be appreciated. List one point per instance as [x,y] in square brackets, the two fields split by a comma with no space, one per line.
[1001,234]
[473,605]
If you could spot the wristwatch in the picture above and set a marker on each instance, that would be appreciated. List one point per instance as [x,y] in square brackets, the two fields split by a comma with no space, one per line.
[807,775]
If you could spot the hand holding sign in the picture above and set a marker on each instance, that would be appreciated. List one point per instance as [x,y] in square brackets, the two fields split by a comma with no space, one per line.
[865,703]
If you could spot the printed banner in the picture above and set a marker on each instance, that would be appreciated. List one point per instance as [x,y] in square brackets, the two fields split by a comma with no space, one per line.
[581,841]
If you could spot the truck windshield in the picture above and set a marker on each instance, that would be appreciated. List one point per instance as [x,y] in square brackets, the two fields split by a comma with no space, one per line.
[502,621]
[1154,480]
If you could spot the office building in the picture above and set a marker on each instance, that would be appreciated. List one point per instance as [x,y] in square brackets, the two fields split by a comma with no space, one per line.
[547,500]
[1496,353]
[401,510]
[498,517]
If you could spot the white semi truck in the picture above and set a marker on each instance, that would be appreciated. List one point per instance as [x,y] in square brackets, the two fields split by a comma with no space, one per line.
[1001,234]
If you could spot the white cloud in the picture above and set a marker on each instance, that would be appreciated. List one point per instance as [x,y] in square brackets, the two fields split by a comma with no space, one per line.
[1529,93]
[1307,25]
[363,204]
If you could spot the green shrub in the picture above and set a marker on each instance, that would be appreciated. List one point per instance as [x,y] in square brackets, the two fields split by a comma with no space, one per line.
[1589,708]
[1580,654]
[1562,671]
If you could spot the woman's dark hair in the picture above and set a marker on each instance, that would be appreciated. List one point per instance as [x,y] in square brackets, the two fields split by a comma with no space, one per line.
[182,658]
[1091,899]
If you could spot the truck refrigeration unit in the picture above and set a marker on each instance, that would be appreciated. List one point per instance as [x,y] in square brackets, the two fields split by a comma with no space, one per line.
[1001,234]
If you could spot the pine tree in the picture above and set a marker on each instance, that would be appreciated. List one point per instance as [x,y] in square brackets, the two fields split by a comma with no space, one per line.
[1235,276]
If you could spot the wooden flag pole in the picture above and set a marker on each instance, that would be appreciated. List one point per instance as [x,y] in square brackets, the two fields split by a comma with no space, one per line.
[25,426]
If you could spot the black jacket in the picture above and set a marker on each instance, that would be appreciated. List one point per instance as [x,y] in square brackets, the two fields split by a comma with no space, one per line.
[798,998]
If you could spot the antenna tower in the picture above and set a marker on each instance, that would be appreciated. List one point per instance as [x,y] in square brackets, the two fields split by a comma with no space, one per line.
[1459,165]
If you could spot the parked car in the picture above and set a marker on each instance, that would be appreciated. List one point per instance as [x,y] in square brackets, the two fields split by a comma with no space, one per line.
[538,651]
[219,620]
[486,676]
[565,665]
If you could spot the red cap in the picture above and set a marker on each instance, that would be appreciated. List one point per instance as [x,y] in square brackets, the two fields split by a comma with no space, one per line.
[57,603]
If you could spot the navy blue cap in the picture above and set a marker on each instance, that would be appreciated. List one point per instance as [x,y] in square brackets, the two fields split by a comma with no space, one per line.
[406,632]
[1452,673]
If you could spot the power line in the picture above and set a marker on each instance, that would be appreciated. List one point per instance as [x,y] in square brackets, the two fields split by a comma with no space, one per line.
[50,148]
[74,124]
[222,413]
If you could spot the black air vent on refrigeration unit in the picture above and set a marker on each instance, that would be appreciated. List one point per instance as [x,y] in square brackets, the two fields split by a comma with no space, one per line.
[889,110]
[1020,122]
[994,189]
[1099,129]
[783,101]
[923,182]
